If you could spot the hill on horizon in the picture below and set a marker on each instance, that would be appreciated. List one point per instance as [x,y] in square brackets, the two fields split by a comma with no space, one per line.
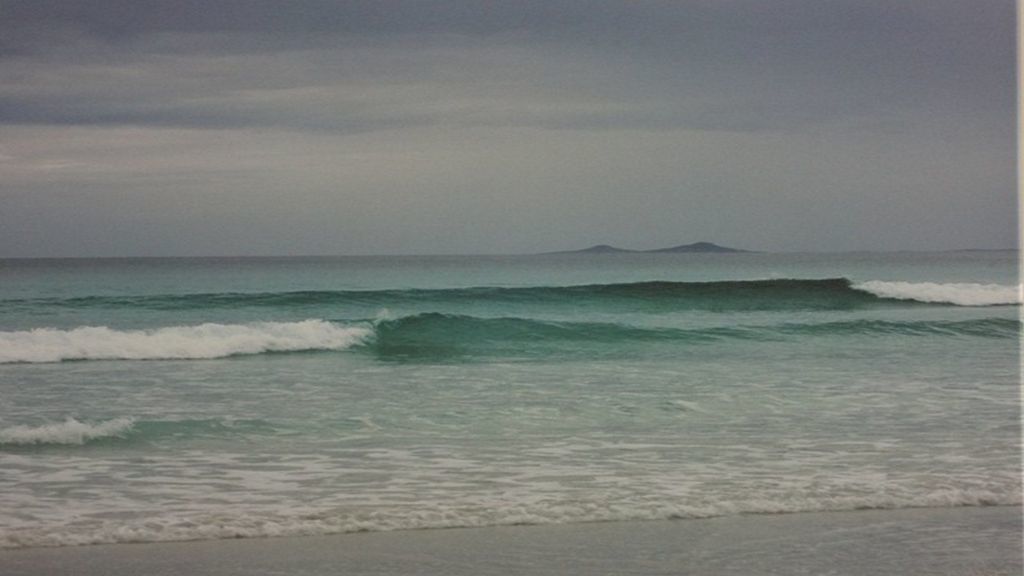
[696,247]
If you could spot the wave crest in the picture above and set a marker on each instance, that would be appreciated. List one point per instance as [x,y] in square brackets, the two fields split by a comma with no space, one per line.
[70,431]
[959,294]
[203,341]
[437,335]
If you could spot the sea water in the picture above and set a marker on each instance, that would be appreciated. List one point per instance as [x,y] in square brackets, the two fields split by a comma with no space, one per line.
[179,399]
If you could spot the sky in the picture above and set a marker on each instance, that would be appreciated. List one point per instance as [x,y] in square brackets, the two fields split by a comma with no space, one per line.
[259,127]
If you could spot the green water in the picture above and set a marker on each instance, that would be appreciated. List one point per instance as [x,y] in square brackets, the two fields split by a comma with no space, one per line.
[163,399]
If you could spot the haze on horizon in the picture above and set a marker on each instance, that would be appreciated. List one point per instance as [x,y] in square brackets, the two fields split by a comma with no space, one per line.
[223,127]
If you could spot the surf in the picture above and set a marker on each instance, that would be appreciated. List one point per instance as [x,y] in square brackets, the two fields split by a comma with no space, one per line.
[270,523]
[68,432]
[957,294]
[439,335]
[203,341]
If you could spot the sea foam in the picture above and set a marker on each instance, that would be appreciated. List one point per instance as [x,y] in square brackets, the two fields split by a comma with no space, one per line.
[202,341]
[70,431]
[232,524]
[960,294]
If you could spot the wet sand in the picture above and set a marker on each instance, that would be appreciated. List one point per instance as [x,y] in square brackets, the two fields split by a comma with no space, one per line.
[934,542]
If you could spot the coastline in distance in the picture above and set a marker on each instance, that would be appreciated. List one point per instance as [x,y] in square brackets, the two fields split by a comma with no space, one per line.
[682,248]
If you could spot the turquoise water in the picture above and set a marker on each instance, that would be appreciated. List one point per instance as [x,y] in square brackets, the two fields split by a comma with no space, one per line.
[172,399]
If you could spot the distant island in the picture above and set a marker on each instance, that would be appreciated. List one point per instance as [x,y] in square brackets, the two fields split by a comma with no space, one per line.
[696,247]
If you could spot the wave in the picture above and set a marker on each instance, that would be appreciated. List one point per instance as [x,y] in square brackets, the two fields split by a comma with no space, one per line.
[69,432]
[438,327]
[446,335]
[775,294]
[203,341]
[263,524]
[439,336]
[958,294]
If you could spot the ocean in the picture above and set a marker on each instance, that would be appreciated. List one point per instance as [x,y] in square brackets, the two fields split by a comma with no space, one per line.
[165,399]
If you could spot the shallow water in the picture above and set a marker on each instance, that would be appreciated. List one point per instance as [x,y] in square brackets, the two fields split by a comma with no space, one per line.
[919,542]
[176,399]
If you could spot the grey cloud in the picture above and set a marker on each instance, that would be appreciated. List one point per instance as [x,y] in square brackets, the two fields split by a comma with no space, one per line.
[387,122]
[652,65]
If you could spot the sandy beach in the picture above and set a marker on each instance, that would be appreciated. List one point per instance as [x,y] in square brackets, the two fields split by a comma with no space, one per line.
[953,541]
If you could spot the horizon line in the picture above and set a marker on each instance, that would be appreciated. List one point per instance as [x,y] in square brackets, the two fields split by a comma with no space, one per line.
[578,252]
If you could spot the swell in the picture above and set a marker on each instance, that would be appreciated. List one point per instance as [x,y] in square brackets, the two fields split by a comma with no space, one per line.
[776,294]
[437,335]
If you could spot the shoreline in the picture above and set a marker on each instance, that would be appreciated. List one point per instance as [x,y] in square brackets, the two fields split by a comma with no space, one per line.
[972,541]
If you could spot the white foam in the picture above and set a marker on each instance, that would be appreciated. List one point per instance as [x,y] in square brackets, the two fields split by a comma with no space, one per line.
[70,431]
[961,294]
[176,342]
[233,524]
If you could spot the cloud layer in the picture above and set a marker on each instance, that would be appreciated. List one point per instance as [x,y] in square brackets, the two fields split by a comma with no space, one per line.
[380,127]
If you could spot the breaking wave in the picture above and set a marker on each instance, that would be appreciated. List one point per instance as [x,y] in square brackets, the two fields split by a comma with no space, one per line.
[437,335]
[69,432]
[203,341]
[959,294]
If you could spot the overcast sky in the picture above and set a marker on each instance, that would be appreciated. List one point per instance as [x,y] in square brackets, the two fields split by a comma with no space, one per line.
[210,127]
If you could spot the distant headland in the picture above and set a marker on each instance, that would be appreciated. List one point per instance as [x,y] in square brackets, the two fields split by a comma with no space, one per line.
[696,247]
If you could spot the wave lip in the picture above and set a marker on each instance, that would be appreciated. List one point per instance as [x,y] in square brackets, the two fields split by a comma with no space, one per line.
[69,432]
[203,341]
[959,294]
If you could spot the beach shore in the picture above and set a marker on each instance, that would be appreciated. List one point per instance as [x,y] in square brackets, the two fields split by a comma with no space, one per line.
[953,541]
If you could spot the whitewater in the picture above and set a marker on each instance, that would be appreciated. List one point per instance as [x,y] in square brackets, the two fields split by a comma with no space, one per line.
[212,340]
[187,399]
[182,342]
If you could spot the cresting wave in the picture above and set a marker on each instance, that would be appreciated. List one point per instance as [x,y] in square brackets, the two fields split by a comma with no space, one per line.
[69,432]
[959,294]
[439,336]
[203,341]
[774,294]
[277,524]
